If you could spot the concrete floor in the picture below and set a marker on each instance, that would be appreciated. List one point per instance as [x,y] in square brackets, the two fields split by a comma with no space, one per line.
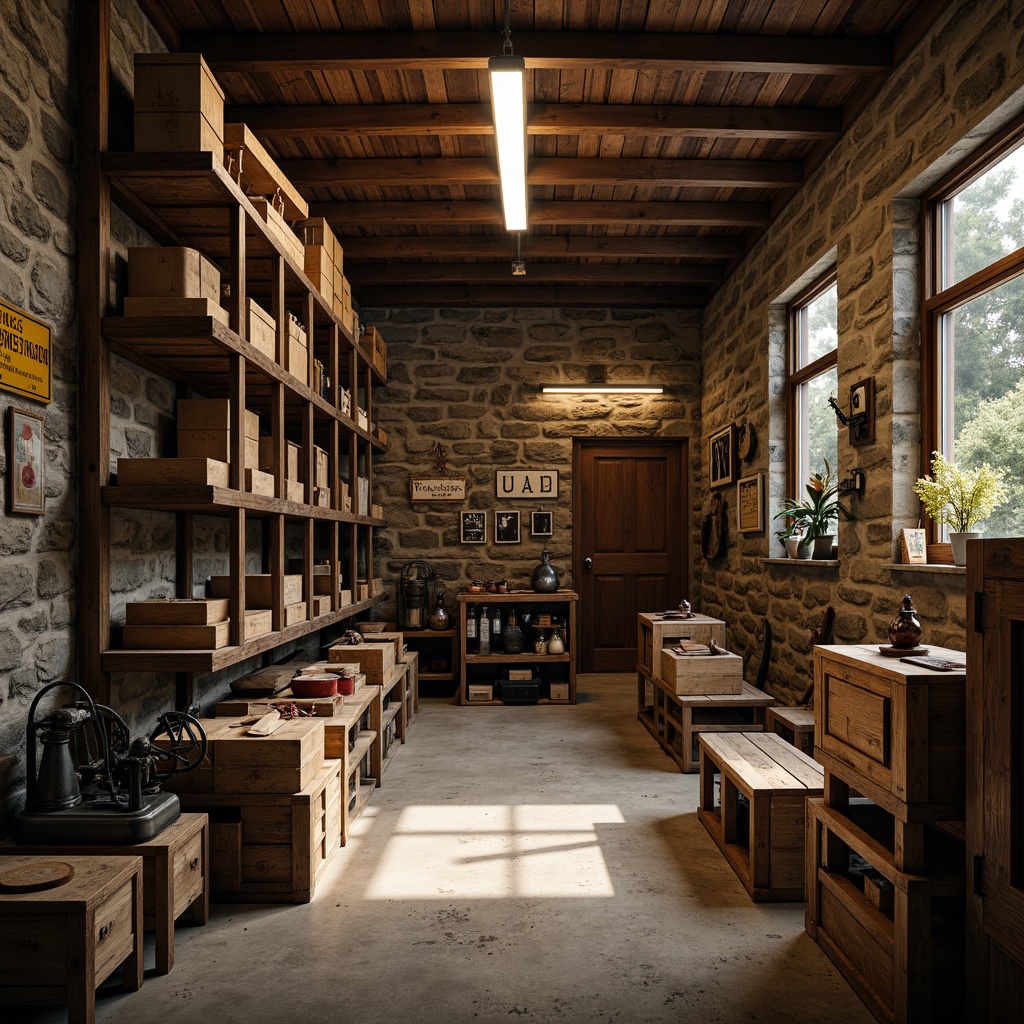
[533,863]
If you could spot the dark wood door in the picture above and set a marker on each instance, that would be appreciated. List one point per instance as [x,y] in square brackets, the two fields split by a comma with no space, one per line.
[995,781]
[629,521]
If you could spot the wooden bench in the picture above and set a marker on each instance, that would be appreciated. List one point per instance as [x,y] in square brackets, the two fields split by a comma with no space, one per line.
[796,725]
[776,779]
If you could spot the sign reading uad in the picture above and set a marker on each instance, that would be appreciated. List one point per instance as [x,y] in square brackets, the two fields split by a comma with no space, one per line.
[527,483]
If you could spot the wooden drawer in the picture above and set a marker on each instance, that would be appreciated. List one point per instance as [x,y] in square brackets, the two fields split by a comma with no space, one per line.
[892,731]
[187,871]
[114,930]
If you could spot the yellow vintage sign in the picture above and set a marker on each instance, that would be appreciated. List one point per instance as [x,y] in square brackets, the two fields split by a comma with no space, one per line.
[24,353]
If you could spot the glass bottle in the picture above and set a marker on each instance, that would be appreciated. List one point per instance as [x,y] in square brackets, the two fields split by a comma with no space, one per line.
[512,635]
[439,618]
[485,632]
[556,645]
[472,628]
[496,624]
[545,576]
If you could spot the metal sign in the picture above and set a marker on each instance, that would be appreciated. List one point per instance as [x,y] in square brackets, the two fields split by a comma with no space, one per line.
[526,483]
[24,353]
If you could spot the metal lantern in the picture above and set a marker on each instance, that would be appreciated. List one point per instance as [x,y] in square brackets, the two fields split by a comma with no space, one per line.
[416,586]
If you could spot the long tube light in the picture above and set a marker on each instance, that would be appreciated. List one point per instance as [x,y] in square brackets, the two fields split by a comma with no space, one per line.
[507,73]
[600,389]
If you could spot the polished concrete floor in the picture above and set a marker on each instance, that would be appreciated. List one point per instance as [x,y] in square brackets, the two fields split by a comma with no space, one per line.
[519,863]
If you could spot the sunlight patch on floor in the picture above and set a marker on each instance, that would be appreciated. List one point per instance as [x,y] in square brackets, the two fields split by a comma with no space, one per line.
[496,852]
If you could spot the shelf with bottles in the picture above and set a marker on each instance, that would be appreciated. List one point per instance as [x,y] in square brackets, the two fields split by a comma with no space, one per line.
[520,628]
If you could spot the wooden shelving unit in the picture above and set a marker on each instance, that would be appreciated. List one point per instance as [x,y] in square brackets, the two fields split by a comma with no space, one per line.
[431,645]
[560,668]
[190,199]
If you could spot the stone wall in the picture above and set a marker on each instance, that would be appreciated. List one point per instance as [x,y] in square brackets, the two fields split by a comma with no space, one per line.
[861,206]
[470,379]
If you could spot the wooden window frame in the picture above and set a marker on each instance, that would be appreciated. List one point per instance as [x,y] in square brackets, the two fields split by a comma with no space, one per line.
[937,301]
[796,375]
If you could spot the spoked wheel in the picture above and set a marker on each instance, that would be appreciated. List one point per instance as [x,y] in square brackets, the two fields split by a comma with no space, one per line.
[178,744]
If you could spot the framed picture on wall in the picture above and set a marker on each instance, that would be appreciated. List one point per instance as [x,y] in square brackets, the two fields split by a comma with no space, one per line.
[506,526]
[541,525]
[750,504]
[25,458]
[722,457]
[473,527]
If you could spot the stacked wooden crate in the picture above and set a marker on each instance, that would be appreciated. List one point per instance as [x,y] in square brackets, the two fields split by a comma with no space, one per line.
[275,809]
[294,490]
[179,107]
[375,348]
[172,281]
[259,600]
[169,624]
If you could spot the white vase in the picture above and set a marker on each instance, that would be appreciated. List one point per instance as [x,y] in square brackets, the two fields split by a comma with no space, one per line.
[958,542]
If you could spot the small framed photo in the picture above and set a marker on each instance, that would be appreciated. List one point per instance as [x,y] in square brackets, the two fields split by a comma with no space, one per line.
[506,527]
[750,504]
[25,456]
[913,548]
[473,527]
[541,524]
[722,456]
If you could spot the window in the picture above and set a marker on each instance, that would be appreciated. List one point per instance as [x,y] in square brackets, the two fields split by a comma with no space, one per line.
[811,379]
[973,355]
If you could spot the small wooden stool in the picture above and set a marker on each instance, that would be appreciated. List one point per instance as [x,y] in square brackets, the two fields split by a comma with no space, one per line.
[175,875]
[776,779]
[796,725]
[58,945]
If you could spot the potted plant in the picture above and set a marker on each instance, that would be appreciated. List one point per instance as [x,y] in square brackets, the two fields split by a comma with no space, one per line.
[959,499]
[815,514]
[793,540]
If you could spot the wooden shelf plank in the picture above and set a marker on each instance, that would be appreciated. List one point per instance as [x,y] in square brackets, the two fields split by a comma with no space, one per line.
[494,659]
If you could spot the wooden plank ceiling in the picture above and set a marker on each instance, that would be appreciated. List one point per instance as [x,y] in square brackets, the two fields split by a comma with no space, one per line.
[663,134]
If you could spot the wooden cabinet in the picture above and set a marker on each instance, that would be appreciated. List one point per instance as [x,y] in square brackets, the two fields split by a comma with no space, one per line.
[890,736]
[556,672]
[58,945]
[995,780]
[438,656]
[191,199]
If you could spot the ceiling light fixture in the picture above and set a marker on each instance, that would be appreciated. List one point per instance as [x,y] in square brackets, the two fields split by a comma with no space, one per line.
[508,104]
[601,389]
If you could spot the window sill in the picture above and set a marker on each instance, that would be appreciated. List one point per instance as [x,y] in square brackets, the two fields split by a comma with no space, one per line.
[942,570]
[813,562]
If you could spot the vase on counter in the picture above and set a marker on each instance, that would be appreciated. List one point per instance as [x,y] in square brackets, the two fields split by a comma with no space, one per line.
[439,617]
[545,576]
[512,636]
[905,630]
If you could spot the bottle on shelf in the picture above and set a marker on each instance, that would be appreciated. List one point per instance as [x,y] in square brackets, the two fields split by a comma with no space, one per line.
[485,632]
[439,617]
[512,635]
[472,629]
[496,625]
[556,645]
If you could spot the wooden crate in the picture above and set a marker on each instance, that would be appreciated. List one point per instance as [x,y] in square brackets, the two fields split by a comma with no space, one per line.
[278,845]
[892,731]
[298,359]
[260,330]
[204,444]
[776,780]
[172,473]
[259,589]
[292,456]
[155,305]
[376,661]
[172,271]
[258,482]
[689,673]
[174,611]
[176,637]
[257,172]
[279,229]
[178,82]
[295,613]
[654,632]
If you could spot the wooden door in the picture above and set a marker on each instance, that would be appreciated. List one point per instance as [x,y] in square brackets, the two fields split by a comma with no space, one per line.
[629,521]
[995,781]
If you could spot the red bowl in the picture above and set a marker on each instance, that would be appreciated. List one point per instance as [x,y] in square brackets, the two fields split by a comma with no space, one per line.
[347,685]
[315,686]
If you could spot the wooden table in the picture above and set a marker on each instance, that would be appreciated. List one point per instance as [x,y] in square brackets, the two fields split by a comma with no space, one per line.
[59,945]
[175,875]
[776,779]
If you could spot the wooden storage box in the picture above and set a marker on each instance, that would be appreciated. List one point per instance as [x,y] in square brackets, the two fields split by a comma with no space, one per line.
[376,661]
[261,332]
[170,271]
[172,473]
[375,348]
[397,640]
[257,172]
[160,306]
[173,611]
[892,731]
[204,444]
[213,414]
[298,359]
[317,233]
[700,673]
[292,456]
[558,691]
[278,845]
[295,613]
[321,465]
[176,638]
[654,632]
[178,82]
[258,589]
[259,483]
[279,229]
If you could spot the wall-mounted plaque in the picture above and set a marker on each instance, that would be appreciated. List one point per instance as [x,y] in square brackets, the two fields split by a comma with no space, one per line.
[526,483]
[451,488]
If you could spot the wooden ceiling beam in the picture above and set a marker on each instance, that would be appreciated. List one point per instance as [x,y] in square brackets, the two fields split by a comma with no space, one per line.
[523,293]
[412,171]
[682,213]
[559,51]
[386,119]
[393,247]
[381,274]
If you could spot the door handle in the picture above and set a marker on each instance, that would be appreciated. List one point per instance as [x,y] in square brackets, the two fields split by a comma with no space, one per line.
[588,563]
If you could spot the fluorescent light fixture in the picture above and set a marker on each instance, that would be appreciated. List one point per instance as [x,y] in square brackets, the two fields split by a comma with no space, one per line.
[600,389]
[509,110]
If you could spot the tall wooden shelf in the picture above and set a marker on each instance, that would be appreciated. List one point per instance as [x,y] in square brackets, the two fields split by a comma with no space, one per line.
[190,199]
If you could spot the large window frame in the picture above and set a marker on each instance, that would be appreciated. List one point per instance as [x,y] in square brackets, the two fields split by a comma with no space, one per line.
[798,374]
[937,301]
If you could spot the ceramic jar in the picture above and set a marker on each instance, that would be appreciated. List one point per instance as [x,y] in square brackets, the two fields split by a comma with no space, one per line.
[905,630]
[545,576]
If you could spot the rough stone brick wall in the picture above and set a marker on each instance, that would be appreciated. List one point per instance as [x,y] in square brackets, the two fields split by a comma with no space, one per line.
[470,378]
[957,87]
